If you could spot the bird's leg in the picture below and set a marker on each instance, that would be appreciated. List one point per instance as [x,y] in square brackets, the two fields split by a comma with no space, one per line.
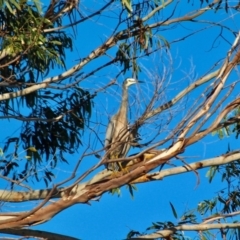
[119,164]
[116,167]
[123,169]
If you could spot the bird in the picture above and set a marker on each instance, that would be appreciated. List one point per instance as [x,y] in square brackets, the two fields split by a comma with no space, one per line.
[118,136]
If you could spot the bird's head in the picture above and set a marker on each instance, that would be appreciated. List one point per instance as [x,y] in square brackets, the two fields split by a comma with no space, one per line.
[129,81]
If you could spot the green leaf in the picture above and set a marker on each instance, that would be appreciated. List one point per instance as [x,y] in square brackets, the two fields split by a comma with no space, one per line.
[9,8]
[32,149]
[173,210]
[211,173]
[164,41]
[116,190]
[15,4]
[56,42]
[38,5]
[132,187]
[1,152]
[127,4]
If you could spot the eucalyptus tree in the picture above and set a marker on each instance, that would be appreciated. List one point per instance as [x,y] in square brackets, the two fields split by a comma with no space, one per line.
[60,67]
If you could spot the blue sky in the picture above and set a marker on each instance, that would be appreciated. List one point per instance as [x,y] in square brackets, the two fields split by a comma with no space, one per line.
[112,217]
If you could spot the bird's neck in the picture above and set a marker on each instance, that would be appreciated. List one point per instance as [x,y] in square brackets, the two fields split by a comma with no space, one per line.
[124,105]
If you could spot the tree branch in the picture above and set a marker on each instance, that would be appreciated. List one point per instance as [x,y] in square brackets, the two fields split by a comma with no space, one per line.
[196,227]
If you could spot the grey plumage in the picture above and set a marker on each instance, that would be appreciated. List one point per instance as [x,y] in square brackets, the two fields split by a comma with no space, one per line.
[118,138]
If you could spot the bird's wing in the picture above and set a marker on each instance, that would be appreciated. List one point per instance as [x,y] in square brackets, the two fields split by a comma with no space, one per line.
[109,132]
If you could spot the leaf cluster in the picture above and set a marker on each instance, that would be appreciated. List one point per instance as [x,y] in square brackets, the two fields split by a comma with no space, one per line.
[57,131]
[53,120]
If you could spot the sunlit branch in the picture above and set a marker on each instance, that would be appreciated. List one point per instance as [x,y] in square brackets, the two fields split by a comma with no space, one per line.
[194,227]
[217,161]
[37,234]
[95,54]
[181,94]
